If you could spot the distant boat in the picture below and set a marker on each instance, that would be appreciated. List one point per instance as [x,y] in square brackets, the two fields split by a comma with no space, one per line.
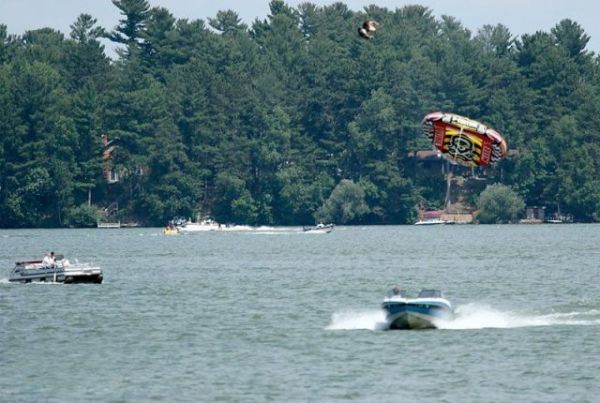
[319,228]
[432,217]
[432,221]
[559,219]
[423,312]
[109,224]
[62,272]
[205,225]
[210,225]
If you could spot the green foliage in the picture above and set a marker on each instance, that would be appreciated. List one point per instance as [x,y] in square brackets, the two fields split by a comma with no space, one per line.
[345,205]
[227,22]
[81,216]
[233,202]
[134,14]
[571,37]
[289,119]
[499,204]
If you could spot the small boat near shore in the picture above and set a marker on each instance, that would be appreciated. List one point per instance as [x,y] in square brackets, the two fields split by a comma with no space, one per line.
[109,224]
[433,217]
[204,225]
[319,228]
[210,225]
[432,221]
[423,312]
[63,271]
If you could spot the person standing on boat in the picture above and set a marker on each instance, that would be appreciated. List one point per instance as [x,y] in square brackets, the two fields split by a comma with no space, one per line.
[49,261]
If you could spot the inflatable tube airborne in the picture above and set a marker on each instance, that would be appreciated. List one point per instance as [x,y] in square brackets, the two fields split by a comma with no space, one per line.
[464,141]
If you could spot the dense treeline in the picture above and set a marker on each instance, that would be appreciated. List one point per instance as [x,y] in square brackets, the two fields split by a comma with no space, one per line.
[287,120]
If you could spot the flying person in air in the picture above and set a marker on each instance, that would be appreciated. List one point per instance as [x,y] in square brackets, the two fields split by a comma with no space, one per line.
[368,29]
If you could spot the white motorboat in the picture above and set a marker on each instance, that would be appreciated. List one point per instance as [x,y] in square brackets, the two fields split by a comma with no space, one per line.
[425,311]
[109,224]
[205,225]
[431,221]
[208,225]
[319,228]
[63,271]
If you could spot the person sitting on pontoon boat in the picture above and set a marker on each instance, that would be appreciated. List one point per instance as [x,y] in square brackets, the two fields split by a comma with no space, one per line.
[49,261]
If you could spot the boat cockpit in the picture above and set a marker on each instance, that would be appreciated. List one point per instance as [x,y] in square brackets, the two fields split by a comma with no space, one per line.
[397,292]
[430,294]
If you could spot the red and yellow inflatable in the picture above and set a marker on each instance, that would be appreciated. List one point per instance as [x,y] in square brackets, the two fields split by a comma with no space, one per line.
[464,141]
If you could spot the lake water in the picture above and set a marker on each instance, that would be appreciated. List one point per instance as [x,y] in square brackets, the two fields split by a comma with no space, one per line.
[287,316]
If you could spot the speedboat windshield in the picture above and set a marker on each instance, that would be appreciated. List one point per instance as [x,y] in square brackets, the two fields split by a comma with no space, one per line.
[430,294]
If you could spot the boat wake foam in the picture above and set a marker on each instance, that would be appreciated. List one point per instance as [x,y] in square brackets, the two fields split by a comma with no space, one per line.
[366,320]
[16,283]
[472,316]
[477,316]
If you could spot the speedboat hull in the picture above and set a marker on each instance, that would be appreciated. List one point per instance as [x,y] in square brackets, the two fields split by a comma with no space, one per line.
[416,315]
[426,311]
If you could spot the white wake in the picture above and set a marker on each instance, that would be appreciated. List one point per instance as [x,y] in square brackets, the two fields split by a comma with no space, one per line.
[365,320]
[477,316]
[471,316]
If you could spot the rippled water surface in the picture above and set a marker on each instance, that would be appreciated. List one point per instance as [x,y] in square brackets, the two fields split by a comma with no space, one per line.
[287,316]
